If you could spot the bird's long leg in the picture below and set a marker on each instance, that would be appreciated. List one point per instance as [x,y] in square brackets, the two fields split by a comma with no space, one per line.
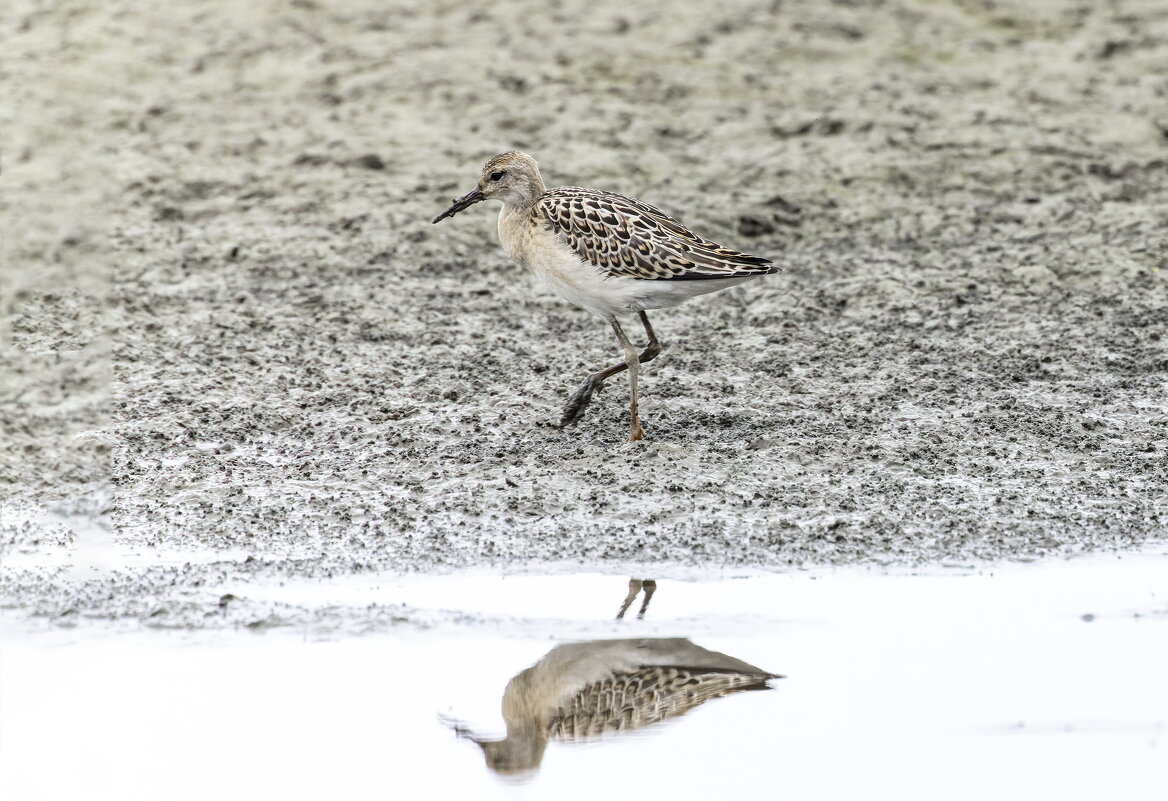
[574,409]
[653,347]
[634,364]
[634,589]
[650,587]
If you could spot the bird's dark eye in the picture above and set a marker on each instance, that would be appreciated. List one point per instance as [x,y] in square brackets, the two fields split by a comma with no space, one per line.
[495,176]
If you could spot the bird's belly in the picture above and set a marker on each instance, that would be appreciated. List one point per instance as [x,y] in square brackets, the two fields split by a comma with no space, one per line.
[606,296]
[596,294]
[580,283]
[584,284]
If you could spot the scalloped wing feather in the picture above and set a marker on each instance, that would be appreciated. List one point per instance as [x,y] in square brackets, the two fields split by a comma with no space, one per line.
[630,239]
[644,697]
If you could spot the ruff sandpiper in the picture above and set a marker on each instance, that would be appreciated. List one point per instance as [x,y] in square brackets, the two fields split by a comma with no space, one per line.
[606,253]
[583,690]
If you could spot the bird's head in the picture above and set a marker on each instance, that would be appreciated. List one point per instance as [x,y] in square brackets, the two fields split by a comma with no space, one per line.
[512,178]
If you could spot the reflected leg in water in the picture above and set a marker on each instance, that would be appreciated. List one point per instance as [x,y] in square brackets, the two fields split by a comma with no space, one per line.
[650,588]
[635,586]
[580,691]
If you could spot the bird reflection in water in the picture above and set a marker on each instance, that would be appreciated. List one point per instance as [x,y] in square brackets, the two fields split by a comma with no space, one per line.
[580,691]
[635,586]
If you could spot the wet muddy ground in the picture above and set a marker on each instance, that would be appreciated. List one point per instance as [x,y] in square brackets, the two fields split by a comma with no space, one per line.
[235,348]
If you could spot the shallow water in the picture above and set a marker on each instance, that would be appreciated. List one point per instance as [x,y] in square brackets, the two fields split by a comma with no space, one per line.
[1041,679]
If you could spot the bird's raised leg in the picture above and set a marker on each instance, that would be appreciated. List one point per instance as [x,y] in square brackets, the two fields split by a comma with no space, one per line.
[574,409]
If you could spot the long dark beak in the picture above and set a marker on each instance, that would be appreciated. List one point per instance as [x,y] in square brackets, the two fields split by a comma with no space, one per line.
[469,199]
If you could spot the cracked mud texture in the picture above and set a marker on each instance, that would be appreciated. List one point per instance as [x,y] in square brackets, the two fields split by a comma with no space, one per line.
[229,324]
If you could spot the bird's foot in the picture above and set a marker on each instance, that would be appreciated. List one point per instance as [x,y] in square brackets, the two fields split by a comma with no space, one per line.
[636,433]
[574,408]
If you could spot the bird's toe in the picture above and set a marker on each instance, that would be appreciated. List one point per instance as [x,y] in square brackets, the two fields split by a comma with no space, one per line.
[578,401]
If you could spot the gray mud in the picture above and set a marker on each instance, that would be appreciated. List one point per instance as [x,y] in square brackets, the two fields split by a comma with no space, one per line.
[229,324]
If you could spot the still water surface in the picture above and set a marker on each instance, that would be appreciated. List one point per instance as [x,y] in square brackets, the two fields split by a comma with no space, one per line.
[1007,681]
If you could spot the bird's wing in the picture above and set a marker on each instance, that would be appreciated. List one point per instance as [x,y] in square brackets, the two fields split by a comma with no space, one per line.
[644,697]
[630,239]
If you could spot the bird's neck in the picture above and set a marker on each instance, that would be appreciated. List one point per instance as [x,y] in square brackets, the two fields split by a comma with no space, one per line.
[520,200]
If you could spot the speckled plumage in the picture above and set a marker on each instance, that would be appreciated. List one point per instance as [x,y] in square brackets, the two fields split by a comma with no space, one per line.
[606,253]
[626,238]
[583,690]
[642,697]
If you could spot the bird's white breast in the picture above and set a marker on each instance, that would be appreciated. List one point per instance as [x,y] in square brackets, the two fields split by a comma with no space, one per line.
[560,267]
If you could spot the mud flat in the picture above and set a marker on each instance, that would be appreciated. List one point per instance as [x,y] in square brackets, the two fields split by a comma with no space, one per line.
[235,349]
